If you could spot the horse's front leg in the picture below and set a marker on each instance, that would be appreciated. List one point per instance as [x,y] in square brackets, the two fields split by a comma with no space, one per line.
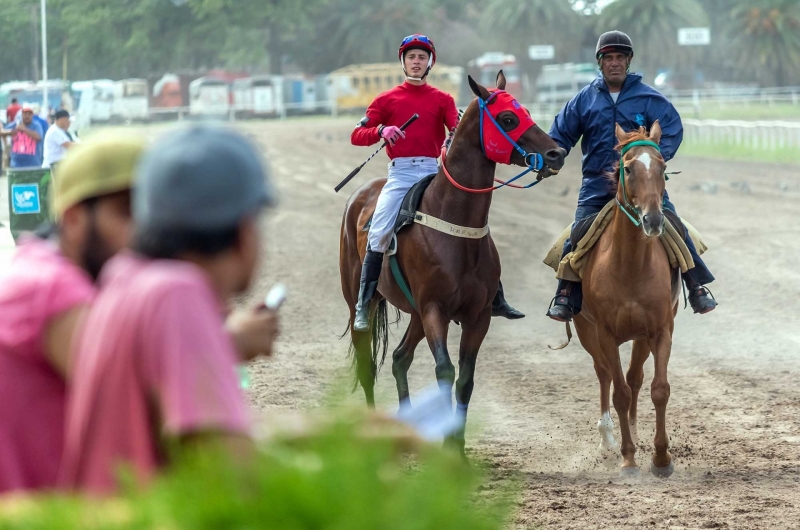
[635,377]
[659,392]
[471,339]
[621,399]
[436,325]
[403,356]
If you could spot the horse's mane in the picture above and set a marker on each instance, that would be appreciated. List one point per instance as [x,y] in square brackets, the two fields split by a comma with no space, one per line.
[633,136]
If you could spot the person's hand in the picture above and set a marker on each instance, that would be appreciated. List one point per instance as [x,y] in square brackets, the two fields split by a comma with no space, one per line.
[253,332]
[392,134]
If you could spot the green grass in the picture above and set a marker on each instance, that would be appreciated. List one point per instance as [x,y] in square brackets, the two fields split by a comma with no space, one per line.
[338,479]
[728,151]
[743,111]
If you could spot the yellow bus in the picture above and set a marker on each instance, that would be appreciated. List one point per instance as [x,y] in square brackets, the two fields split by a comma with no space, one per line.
[354,87]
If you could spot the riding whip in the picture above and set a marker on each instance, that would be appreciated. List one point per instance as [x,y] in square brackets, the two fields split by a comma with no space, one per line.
[353,173]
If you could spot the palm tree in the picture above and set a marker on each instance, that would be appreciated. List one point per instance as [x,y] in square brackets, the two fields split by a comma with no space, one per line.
[357,31]
[517,24]
[653,28]
[768,36]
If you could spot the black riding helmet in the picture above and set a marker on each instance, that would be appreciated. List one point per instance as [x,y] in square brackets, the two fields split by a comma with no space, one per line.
[613,41]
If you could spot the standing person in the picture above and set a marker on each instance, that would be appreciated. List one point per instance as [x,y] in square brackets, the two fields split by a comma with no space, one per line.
[11,111]
[43,294]
[25,135]
[412,158]
[155,369]
[57,140]
[45,125]
[617,97]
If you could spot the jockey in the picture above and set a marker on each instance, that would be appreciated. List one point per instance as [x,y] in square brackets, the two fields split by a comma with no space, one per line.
[617,96]
[412,158]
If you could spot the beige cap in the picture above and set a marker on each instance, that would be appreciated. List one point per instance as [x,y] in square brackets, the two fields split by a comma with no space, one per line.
[94,169]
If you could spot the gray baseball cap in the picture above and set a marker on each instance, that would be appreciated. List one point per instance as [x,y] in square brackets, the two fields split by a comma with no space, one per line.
[202,178]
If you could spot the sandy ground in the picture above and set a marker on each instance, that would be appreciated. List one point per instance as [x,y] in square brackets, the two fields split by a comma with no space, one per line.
[734,414]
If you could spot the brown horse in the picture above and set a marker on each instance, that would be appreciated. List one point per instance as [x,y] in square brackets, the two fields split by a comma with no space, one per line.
[450,278]
[631,294]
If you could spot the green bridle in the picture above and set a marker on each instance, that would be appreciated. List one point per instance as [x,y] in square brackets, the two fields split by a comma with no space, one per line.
[627,208]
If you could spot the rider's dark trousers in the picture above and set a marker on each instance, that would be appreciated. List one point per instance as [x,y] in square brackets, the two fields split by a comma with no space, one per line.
[699,273]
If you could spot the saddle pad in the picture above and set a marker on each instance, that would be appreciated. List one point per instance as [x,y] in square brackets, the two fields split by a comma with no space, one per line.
[409,206]
[571,267]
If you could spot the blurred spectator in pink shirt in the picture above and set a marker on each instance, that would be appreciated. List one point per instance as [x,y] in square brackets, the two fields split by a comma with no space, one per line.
[155,368]
[44,293]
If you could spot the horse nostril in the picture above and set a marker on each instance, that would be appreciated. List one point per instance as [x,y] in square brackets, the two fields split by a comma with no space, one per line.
[555,157]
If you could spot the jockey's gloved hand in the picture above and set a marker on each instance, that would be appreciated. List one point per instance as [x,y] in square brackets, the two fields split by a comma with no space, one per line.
[392,134]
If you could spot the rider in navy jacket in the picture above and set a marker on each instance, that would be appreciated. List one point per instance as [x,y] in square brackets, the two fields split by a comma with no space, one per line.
[593,114]
[617,96]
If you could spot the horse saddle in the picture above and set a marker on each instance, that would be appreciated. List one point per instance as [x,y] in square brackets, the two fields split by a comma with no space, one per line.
[409,206]
[581,228]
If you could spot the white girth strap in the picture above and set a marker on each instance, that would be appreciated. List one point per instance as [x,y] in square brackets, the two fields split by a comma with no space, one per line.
[449,228]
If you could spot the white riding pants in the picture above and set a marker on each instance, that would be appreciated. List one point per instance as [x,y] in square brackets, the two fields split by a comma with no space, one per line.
[403,174]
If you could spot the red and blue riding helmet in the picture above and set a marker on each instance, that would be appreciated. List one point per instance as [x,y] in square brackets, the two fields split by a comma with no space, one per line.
[417,42]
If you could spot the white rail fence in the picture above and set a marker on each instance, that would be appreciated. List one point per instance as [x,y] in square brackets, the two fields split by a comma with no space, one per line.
[767,135]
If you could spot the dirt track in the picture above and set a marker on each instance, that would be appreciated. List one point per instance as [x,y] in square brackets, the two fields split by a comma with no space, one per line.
[734,414]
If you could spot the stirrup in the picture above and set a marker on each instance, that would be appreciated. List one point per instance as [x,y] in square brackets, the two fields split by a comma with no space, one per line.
[700,292]
[561,303]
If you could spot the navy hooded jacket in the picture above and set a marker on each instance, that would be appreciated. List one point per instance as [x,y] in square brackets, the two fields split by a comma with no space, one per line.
[592,114]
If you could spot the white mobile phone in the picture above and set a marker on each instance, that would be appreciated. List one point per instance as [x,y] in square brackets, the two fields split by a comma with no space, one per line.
[276,296]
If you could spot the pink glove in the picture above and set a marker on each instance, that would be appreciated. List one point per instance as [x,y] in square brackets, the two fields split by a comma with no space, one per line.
[391,134]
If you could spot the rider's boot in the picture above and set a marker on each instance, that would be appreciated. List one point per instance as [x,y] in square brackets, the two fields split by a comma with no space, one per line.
[562,308]
[501,308]
[370,273]
[700,297]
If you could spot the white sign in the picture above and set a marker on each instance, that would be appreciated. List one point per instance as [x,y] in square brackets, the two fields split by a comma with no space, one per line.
[541,53]
[694,36]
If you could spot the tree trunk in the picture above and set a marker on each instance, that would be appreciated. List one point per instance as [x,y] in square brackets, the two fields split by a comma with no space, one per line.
[275,49]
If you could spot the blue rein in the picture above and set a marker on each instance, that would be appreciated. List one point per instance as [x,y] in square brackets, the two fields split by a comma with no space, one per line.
[534,161]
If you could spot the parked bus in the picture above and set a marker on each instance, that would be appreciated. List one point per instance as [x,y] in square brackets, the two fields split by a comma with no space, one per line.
[167,92]
[258,96]
[130,100]
[209,96]
[93,101]
[484,70]
[354,87]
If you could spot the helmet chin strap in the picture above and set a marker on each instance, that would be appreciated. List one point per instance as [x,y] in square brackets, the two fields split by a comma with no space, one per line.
[427,70]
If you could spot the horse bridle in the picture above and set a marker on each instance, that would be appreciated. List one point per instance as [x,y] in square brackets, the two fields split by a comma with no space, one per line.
[627,207]
[533,161]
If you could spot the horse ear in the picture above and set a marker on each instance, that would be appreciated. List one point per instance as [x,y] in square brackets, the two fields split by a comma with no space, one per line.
[655,132]
[621,134]
[477,89]
[500,82]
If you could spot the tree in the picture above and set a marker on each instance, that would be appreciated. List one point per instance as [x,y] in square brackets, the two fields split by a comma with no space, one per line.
[517,24]
[356,31]
[768,37]
[653,28]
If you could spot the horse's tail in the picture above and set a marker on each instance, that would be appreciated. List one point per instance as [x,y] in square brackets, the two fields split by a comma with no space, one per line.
[369,354]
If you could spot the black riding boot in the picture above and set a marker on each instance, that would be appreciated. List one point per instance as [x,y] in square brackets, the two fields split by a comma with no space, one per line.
[700,298]
[370,273]
[563,306]
[501,308]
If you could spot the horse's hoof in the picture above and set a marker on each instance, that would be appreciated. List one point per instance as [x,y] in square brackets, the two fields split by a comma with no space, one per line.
[629,472]
[662,472]
[457,445]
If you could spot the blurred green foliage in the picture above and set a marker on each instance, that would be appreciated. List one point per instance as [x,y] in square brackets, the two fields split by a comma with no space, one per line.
[336,479]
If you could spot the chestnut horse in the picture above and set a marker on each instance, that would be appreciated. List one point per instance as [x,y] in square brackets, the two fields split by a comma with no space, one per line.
[630,293]
[451,278]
